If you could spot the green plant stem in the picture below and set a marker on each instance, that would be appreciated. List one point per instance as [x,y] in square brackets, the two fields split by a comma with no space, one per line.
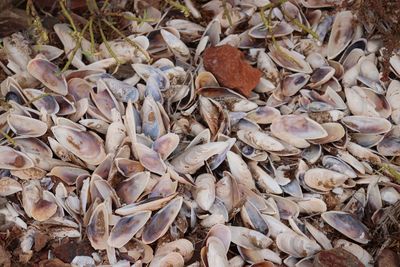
[9,138]
[91,33]
[92,6]
[300,25]
[131,42]
[227,13]
[394,173]
[77,46]
[37,98]
[109,49]
[67,15]
[267,24]
[274,5]
[180,7]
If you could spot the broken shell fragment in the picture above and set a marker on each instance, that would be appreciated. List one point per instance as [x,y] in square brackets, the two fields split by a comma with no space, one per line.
[9,186]
[43,210]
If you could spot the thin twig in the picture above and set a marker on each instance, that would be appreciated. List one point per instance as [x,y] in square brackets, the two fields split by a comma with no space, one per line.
[67,15]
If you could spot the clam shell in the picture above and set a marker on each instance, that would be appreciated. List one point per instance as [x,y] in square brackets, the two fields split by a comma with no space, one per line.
[335,133]
[47,73]
[348,225]
[292,83]
[365,102]
[320,3]
[249,239]
[41,100]
[178,48]
[154,203]
[312,205]
[259,140]
[130,189]
[290,60]
[278,29]
[160,222]
[26,126]
[323,180]
[194,157]
[12,159]
[126,228]
[216,255]
[296,129]
[296,245]
[367,125]
[205,191]
[166,144]
[85,145]
[182,246]
[342,33]
[389,146]
[128,167]
[150,159]
[171,259]
[68,175]
[97,229]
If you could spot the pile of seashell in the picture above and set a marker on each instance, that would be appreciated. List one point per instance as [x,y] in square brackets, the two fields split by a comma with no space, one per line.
[167,168]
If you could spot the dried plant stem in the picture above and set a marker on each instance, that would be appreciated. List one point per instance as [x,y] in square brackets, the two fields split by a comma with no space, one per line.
[9,138]
[182,8]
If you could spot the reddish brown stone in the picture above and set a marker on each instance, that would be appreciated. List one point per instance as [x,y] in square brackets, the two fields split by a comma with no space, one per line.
[229,66]
[336,257]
